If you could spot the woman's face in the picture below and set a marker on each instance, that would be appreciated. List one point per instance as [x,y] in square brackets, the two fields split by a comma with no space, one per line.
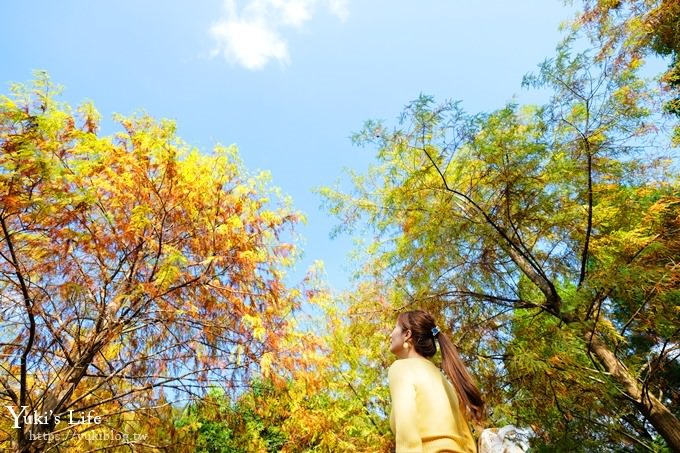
[397,339]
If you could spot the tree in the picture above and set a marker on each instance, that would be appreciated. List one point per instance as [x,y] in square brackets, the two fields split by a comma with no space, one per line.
[336,402]
[135,272]
[547,238]
[630,29]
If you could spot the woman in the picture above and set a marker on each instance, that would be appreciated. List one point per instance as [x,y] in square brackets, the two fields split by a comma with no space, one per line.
[430,413]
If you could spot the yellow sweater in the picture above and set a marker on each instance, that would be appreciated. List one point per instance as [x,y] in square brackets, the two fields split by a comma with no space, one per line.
[425,414]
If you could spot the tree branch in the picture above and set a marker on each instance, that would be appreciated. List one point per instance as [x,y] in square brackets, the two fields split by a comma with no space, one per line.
[28,304]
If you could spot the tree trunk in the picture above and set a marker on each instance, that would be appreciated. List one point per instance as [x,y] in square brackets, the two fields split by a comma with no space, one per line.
[665,423]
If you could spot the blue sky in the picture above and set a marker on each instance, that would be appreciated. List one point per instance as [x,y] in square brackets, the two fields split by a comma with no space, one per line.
[287,81]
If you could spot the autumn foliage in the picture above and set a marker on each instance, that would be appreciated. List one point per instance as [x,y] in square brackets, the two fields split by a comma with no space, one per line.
[135,271]
[545,237]
[146,302]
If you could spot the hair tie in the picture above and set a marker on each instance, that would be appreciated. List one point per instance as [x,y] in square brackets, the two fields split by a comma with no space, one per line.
[435,331]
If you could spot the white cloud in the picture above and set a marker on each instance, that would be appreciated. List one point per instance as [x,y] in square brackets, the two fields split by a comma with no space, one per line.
[250,44]
[253,35]
[294,12]
[339,8]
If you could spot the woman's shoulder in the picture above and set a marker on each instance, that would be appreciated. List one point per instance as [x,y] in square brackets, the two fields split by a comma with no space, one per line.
[399,371]
[396,365]
[404,365]
[416,371]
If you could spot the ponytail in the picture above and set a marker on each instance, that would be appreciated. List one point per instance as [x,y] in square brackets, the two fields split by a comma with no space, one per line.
[469,395]
[424,334]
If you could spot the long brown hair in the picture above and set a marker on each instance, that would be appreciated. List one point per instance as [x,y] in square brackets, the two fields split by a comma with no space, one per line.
[421,325]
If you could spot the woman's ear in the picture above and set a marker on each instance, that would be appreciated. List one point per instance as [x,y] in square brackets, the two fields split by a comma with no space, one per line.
[407,335]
